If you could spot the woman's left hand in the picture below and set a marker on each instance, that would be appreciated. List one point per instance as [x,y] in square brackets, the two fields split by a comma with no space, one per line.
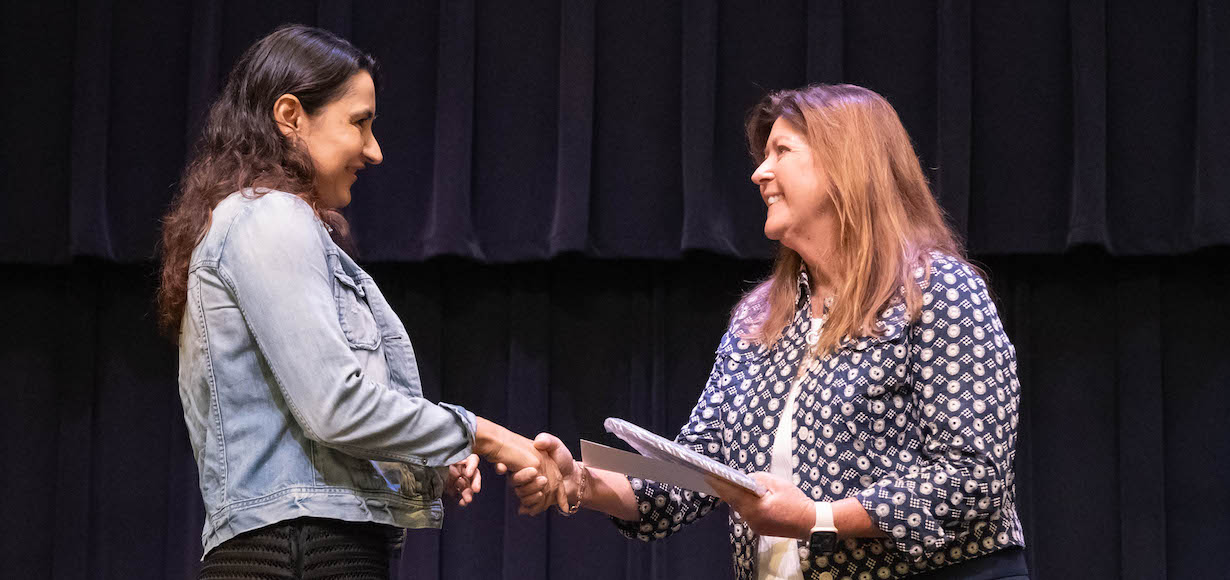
[464,480]
[785,511]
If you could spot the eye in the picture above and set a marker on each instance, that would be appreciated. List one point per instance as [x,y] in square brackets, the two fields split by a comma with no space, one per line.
[782,149]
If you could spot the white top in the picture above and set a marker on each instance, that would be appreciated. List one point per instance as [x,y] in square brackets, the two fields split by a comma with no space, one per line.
[778,558]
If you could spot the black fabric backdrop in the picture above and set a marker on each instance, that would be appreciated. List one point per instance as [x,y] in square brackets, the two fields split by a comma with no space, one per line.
[564,219]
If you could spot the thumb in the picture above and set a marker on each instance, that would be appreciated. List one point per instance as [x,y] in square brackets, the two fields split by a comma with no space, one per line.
[553,447]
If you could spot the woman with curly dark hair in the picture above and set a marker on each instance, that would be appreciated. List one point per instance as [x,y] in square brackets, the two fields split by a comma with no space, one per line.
[300,388]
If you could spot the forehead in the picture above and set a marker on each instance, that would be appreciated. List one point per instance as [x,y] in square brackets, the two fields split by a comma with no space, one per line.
[360,91]
[783,129]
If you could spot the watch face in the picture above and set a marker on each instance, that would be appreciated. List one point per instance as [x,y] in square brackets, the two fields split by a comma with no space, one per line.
[822,543]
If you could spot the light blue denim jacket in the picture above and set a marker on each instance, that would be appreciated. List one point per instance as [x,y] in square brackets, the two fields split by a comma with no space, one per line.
[299,384]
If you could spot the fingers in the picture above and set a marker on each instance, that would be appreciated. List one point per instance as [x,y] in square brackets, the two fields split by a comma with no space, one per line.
[451,489]
[530,511]
[725,490]
[561,500]
[459,487]
[534,497]
[464,480]
[524,476]
[554,448]
[471,466]
[536,486]
[546,441]
[535,505]
[531,497]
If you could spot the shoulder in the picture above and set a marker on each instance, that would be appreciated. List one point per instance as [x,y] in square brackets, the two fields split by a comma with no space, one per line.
[745,320]
[955,296]
[272,213]
[752,310]
[269,209]
[947,274]
[267,224]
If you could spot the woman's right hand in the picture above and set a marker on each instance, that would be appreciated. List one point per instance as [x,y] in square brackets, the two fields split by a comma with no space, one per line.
[510,451]
[532,488]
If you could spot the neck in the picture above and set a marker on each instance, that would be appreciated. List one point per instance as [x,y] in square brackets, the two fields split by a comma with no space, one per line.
[821,271]
[817,244]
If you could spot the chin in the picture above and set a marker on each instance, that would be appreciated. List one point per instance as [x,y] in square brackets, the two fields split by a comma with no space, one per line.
[774,232]
[340,200]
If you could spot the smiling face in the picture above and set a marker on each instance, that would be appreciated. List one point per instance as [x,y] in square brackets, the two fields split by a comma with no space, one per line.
[338,136]
[800,212]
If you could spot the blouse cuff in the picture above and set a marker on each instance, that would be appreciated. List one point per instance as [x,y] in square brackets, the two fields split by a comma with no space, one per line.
[908,529]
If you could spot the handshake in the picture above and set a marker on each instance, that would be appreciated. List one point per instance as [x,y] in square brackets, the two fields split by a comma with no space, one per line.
[544,473]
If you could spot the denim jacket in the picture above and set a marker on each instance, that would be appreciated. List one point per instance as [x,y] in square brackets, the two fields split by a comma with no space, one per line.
[299,384]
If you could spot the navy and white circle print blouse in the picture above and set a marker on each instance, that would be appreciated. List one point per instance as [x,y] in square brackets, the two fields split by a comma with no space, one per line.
[919,423]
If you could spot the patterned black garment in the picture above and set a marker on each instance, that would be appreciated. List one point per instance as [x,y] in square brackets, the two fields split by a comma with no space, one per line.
[920,424]
[305,549]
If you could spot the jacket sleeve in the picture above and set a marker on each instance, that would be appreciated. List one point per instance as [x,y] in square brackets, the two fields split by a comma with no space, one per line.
[274,263]
[965,402]
[666,509]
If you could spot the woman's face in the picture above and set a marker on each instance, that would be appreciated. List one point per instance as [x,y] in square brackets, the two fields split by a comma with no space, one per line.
[339,138]
[795,189]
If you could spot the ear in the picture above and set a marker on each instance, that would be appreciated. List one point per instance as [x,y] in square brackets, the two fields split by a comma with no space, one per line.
[288,114]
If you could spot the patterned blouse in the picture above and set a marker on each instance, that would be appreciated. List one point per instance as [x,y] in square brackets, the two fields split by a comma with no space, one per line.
[919,423]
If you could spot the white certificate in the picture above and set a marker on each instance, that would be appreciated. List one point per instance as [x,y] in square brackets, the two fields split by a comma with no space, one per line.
[662,460]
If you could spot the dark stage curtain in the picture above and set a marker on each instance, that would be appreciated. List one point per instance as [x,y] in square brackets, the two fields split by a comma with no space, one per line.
[564,219]
[1122,466]
[522,130]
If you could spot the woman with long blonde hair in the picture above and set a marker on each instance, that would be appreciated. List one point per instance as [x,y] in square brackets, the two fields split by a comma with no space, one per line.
[868,383]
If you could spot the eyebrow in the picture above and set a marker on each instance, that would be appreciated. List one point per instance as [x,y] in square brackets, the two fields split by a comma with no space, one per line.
[768,142]
[366,114]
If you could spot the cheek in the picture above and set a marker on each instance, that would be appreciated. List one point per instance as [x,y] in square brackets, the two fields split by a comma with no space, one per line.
[331,156]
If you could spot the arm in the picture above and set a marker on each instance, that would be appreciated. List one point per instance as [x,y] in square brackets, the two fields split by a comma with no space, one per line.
[595,489]
[640,508]
[275,266]
[786,512]
[965,397]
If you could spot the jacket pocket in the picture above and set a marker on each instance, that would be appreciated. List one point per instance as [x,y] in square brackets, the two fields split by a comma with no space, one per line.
[354,312]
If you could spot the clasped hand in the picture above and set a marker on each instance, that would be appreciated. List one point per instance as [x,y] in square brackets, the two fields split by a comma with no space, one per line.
[544,473]
[784,511]
[510,452]
[553,480]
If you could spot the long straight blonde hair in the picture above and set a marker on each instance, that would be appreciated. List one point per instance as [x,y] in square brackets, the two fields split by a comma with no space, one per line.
[889,221]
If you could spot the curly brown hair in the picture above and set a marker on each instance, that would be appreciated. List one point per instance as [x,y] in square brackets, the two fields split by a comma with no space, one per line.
[240,146]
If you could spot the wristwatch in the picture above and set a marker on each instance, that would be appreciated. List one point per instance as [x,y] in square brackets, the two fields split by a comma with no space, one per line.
[823,540]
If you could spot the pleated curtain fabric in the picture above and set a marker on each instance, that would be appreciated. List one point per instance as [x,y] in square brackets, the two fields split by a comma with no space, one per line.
[564,218]
[517,131]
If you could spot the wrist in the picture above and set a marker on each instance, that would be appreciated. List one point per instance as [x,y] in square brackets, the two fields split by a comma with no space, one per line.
[574,488]
[806,519]
[486,443]
[496,444]
[822,539]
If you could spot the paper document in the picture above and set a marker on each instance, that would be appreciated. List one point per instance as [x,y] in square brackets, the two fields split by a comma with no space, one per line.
[662,460]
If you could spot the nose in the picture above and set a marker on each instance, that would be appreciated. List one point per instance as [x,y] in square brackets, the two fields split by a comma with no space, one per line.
[764,173]
[371,152]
